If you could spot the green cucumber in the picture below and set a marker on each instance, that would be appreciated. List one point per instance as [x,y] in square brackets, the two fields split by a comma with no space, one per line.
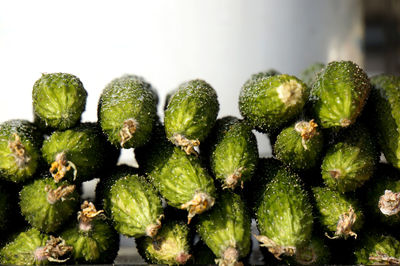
[300,145]
[225,229]
[92,237]
[80,153]
[20,143]
[59,100]
[127,111]
[339,94]
[338,213]
[171,246]
[378,249]
[181,179]
[270,102]
[134,205]
[350,161]
[190,115]
[47,205]
[31,247]
[284,215]
[233,152]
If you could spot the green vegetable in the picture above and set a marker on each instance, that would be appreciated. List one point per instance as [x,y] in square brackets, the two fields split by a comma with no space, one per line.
[337,213]
[93,239]
[225,229]
[20,143]
[171,246]
[284,216]
[270,102]
[300,145]
[377,249]
[339,94]
[59,100]
[233,152]
[134,205]
[350,161]
[47,205]
[190,115]
[32,247]
[103,187]
[127,111]
[79,153]
[181,179]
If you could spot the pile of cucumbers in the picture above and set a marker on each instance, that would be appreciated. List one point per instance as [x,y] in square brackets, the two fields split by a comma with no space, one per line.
[329,195]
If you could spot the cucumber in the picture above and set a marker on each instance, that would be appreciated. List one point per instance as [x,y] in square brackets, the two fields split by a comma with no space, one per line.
[127,111]
[269,102]
[339,94]
[59,100]
[190,115]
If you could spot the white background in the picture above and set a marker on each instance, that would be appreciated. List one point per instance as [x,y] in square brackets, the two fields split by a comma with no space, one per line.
[167,42]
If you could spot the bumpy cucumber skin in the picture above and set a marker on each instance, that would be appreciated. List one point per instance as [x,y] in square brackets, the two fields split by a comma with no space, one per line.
[385,178]
[127,97]
[146,84]
[375,245]
[289,149]
[259,102]
[331,205]
[339,94]
[192,111]
[354,156]
[384,109]
[39,212]
[233,149]
[173,239]
[178,176]
[226,225]
[59,100]
[134,205]
[30,138]
[284,214]
[309,74]
[98,245]
[103,187]
[85,146]
[21,250]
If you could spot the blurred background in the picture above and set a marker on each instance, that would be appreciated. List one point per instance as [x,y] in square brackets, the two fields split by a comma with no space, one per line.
[171,41]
